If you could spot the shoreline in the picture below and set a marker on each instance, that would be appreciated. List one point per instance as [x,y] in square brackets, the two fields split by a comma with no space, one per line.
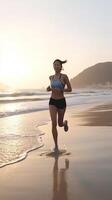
[81,116]
[85,173]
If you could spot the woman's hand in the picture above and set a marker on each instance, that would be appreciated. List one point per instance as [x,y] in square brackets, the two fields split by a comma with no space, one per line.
[48,88]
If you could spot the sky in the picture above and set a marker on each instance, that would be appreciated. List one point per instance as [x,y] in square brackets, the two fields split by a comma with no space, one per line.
[34,33]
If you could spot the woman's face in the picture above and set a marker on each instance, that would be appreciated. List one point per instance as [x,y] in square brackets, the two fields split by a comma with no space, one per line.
[57,66]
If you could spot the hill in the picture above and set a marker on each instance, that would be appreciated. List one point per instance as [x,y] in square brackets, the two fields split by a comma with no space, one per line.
[99,74]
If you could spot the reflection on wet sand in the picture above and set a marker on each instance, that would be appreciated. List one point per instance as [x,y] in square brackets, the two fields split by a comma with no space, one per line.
[100,115]
[59,181]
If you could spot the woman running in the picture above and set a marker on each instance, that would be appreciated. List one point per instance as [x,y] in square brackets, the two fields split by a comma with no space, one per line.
[57,102]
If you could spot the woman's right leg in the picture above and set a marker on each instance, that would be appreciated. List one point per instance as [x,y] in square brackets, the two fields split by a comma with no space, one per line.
[53,114]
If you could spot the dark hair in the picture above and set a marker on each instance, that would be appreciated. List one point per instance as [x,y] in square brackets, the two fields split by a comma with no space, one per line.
[60,61]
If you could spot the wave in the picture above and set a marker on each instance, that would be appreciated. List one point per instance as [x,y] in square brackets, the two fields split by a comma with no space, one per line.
[22,100]
[17,112]
[40,93]
[40,102]
[21,157]
[21,93]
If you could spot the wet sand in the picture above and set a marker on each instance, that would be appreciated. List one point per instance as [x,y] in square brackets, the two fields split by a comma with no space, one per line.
[84,171]
[100,115]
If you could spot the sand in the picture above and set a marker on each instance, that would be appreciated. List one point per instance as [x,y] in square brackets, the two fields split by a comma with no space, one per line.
[84,171]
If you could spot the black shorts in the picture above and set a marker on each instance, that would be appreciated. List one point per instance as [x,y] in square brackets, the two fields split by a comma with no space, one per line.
[59,103]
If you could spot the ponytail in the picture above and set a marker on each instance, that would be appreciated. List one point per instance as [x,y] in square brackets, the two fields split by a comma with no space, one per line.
[61,62]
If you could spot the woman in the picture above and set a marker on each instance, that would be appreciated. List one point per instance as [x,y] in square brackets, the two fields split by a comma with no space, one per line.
[57,102]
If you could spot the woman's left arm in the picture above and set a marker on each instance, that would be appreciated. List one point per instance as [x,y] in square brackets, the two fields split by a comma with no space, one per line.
[67,82]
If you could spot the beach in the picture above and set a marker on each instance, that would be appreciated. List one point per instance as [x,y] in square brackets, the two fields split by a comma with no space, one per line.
[55,53]
[82,171]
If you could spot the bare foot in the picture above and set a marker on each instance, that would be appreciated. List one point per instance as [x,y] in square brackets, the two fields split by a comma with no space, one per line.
[55,149]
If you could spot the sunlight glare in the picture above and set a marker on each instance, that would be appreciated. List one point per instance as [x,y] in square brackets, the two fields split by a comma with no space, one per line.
[13,68]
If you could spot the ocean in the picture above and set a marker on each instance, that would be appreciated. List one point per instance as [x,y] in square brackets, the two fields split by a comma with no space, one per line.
[17,135]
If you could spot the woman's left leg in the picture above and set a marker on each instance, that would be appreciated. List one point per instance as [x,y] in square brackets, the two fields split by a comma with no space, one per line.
[61,123]
[61,113]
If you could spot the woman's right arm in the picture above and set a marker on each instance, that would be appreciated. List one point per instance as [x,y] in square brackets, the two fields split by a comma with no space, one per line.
[49,88]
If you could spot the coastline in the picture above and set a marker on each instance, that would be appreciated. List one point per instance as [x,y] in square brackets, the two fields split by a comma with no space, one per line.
[85,173]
